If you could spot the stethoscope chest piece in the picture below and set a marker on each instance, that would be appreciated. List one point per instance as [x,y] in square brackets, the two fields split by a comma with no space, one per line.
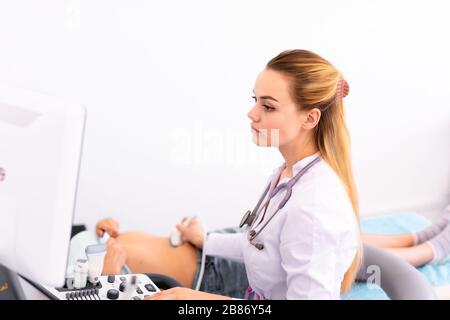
[247,219]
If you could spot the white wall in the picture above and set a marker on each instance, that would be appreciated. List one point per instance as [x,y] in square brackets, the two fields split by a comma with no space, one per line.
[167,85]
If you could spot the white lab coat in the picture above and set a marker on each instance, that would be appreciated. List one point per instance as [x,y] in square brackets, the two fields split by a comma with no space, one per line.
[308,245]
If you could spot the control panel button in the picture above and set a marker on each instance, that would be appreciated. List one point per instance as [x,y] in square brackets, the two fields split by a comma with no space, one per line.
[150,287]
[112,294]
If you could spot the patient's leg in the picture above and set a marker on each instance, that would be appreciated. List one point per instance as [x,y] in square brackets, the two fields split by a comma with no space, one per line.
[409,239]
[416,256]
[148,253]
[389,241]
[402,245]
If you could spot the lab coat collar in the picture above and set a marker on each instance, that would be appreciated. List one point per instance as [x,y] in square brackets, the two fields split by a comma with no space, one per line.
[299,165]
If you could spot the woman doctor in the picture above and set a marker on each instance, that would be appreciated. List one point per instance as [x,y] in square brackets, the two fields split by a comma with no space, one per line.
[307,247]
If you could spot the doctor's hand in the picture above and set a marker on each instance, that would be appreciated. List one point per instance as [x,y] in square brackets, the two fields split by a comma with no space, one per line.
[180,293]
[108,225]
[193,233]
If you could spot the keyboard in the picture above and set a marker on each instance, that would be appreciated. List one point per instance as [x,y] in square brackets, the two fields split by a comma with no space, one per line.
[112,287]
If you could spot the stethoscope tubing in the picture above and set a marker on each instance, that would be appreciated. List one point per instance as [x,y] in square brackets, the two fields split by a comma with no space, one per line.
[252,234]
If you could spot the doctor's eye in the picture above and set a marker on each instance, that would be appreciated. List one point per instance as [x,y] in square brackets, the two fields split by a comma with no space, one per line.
[266,107]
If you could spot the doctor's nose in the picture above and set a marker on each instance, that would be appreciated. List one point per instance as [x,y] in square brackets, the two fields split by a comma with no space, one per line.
[253,114]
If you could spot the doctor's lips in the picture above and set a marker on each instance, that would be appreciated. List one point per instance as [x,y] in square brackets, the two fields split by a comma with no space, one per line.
[254,129]
[2,174]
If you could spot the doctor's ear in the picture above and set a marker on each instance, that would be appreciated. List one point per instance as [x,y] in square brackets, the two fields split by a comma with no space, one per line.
[312,118]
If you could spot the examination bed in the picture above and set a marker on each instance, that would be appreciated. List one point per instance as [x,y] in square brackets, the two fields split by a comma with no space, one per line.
[399,280]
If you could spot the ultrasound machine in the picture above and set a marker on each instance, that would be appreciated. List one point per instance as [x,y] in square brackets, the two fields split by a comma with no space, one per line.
[41,140]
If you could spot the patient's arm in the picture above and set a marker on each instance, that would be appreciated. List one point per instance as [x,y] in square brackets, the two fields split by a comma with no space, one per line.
[115,257]
[147,253]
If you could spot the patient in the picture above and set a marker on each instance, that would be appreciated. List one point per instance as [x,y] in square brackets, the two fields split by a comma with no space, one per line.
[147,253]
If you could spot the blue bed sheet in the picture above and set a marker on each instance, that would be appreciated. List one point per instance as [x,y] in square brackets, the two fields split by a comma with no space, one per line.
[396,224]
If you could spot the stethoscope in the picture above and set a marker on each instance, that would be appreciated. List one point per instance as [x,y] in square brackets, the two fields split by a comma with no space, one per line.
[250,217]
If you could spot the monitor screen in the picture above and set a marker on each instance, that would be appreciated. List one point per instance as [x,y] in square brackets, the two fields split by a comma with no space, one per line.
[40,150]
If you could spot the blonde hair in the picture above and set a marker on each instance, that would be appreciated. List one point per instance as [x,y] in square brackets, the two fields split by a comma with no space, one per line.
[314,83]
